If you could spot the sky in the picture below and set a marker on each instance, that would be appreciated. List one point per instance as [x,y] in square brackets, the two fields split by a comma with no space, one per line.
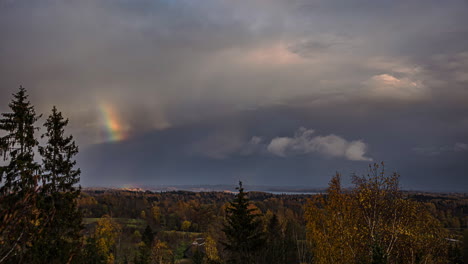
[270,92]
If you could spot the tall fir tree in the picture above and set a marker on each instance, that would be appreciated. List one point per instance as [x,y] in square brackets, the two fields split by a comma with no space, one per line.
[60,243]
[20,223]
[275,241]
[243,230]
[144,250]
[465,246]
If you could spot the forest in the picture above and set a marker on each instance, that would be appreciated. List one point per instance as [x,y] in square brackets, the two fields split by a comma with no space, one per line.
[47,218]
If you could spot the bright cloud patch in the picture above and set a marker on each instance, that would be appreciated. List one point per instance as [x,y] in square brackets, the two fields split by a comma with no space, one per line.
[438,150]
[304,142]
[461,146]
[386,85]
[274,55]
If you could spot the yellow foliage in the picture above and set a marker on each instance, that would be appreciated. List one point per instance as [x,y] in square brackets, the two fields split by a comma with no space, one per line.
[161,254]
[106,233]
[211,250]
[156,213]
[186,225]
[371,221]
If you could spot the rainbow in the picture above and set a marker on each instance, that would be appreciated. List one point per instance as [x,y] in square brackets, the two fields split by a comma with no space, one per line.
[114,128]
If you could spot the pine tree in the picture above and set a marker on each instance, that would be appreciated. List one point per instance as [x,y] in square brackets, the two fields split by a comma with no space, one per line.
[145,247]
[18,145]
[465,246]
[275,246]
[243,230]
[61,239]
[19,224]
[59,174]
[148,236]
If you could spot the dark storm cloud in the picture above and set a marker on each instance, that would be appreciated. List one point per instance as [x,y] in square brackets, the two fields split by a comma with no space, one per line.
[211,84]
[167,157]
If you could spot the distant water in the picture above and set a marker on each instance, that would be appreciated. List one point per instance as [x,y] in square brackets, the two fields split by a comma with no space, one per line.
[293,193]
[229,188]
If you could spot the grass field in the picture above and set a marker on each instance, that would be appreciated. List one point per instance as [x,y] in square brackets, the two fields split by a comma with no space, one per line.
[125,222]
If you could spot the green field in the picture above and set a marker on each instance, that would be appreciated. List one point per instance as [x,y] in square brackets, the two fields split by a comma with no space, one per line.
[124,222]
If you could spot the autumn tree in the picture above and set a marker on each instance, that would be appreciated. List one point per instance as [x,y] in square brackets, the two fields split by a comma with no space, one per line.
[211,251]
[331,226]
[185,226]
[372,223]
[243,230]
[161,253]
[156,215]
[105,237]
[19,216]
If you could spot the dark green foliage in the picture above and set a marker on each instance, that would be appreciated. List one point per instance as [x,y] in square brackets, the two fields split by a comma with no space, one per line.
[145,249]
[378,255]
[455,253]
[198,257]
[41,222]
[465,246]
[18,179]
[243,230]
[280,242]
[18,145]
[91,253]
[296,249]
[273,228]
[148,236]
[59,174]
[61,240]
[144,255]
[274,250]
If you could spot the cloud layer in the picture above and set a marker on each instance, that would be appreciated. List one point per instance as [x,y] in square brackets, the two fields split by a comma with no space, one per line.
[304,142]
[386,75]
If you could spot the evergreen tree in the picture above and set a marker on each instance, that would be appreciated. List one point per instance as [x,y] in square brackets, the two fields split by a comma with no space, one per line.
[198,256]
[145,247]
[61,240]
[465,246]
[275,246]
[91,254]
[19,224]
[148,236]
[243,230]
[59,174]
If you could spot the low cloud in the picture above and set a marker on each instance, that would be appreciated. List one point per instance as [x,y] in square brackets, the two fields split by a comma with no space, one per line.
[254,145]
[460,146]
[438,150]
[304,142]
[389,86]
[217,145]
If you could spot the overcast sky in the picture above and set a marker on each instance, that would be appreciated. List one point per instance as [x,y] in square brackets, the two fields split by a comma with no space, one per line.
[272,92]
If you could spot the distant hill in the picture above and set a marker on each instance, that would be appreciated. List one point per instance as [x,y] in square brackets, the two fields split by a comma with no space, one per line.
[216,188]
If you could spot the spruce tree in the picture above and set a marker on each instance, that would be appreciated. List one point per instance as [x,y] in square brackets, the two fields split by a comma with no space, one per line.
[145,248]
[148,236]
[18,145]
[59,172]
[19,224]
[275,242]
[243,230]
[465,246]
[61,239]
